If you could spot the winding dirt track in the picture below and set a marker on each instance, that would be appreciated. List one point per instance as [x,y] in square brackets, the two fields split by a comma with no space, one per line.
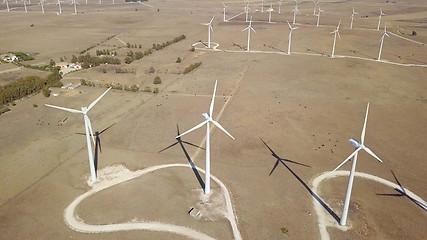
[77,224]
[324,219]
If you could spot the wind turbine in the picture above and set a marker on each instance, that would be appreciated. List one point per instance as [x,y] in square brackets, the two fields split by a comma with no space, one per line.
[249,28]
[379,19]
[359,146]
[7,4]
[41,3]
[315,6]
[335,32]
[290,36]
[382,41]
[262,6]
[247,11]
[295,11]
[75,6]
[89,132]
[270,10]
[352,17]
[59,4]
[224,11]
[318,16]
[25,5]
[209,31]
[100,1]
[280,6]
[208,117]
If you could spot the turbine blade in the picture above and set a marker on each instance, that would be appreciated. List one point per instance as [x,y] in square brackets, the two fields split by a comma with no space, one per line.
[99,98]
[64,109]
[274,167]
[105,129]
[395,178]
[362,137]
[290,27]
[89,124]
[390,194]
[213,100]
[194,128]
[372,154]
[210,22]
[349,157]
[301,164]
[168,147]
[220,127]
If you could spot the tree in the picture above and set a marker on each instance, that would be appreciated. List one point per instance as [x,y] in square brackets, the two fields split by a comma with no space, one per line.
[46,92]
[178,60]
[52,63]
[157,80]
[74,59]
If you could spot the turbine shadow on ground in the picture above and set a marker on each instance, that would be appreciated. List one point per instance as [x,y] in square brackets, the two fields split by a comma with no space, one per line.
[402,193]
[193,167]
[318,199]
[98,147]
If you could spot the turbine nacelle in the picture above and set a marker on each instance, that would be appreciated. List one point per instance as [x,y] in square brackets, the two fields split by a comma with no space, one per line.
[206,116]
[354,143]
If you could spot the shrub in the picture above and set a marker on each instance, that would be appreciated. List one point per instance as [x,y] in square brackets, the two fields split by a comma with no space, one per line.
[46,92]
[192,48]
[151,70]
[35,105]
[157,80]
[3,110]
[284,230]
[192,67]
[134,88]
[178,60]
[147,89]
[156,90]
[104,70]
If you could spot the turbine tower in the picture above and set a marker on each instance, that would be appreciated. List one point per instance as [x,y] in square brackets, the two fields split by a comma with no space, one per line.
[280,6]
[74,2]
[379,19]
[224,11]
[208,117]
[359,146]
[315,6]
[41,3]
[209,24]
[89,132]
[59,4]
[352,17]
[25,5]
[249,28]
[270,10]
[7,4]
[318,16]
[290,36]
[382,41]
[262,6]
[335,32]
[246,8]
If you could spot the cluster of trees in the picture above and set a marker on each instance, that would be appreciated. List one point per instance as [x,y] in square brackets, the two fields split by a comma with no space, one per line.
[116,86]
[106,52]
[91,61]
[167,43]
[28,85]
[89,48]
[124,70]
[128,45]
[192,67]
[23,56]
[131,56]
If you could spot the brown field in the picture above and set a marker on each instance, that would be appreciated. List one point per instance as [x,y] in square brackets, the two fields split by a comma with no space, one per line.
[304,107]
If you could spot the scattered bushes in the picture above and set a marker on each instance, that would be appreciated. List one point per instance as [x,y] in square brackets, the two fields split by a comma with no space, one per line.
[23,56]
[192,67]
[124,70]
[147,89]
[157,80]
[156,90]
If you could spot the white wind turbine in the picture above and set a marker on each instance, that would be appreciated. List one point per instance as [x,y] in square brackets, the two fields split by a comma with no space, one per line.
[74,2]
[249,28]
[280,6]
[100,1]
[290,36]
[247,8]
[59,5]
[295,11]
[41,3]
[352,17]
[25,5]
[210,28]
[315,6]
[382,41]
[89,132]
[224,11]
[270,10]
[359,146]
[379,19]
[7,4]
[318,16]
[335,32]
[208,117]
[262,6]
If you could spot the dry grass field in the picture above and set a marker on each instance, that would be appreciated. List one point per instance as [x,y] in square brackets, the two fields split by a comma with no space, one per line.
[304,106]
